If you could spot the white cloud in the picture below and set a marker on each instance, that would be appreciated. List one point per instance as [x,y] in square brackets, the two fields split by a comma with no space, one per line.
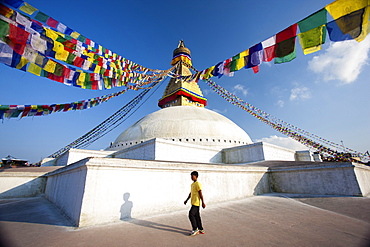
[240,88]
[342,61]
[300,93]
[280,103]
[285,142]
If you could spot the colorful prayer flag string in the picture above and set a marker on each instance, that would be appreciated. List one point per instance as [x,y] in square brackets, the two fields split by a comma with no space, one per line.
[46,51]
[351,21]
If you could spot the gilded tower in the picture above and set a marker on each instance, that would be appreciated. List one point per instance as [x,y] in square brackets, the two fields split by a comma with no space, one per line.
[179,91]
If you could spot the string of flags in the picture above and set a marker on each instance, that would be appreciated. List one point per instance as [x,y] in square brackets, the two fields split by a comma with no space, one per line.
[14,111]
[34,42]
[350,21]
[309,140]
[103,128]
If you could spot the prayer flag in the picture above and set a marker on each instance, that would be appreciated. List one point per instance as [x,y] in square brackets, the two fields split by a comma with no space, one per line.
[5,11]
[40,16]
[286,58]
[346,27]
[34,69]
[21,19]
[22,65]
[50,66]
[17,38]
[238,61]
[340,8]
[59,69]
[286,33]
[28,9]
[255,55]
[268,49]
[30,54]
[4,29]
[61,27]
[51,33]
[313,31]
[38,43]
[6,53]
[52,23]
[315,20]
[312,40]
[40,60]
[75,35]
[285,45]
[60,53]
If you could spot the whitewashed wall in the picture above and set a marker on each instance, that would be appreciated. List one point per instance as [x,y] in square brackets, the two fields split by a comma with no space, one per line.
[21,184]
[257,152]
[160,149]
[327,178]
[120,188]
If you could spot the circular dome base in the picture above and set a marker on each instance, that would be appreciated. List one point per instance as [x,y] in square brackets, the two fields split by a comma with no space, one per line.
[188,124]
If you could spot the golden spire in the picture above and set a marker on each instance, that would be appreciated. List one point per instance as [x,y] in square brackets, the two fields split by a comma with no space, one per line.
[180,92]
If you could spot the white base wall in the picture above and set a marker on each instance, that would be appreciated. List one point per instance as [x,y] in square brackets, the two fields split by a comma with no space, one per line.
[165,150]
[115,189]
[257,152]
[328,178]
[21,184]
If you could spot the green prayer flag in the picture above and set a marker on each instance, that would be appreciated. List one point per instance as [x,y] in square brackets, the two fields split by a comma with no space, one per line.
[41,16]
[286,58]
[82,38]
[285,47]
[59,69]
[70,58]
[4,29]
[317,19]
[313,31]
[88,82]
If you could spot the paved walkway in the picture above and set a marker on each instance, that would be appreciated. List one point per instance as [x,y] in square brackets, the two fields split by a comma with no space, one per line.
[269,220]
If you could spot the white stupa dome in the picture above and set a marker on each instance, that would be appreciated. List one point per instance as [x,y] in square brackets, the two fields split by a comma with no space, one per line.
[188,124]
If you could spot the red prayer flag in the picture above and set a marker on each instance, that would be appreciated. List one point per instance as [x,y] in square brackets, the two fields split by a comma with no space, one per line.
[269,53]
[52,23]
[256,69]
[17,38]
[287,33]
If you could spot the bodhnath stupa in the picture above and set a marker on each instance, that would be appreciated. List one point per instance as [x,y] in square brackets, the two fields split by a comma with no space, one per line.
[183,117]
[184,130]
[155,156]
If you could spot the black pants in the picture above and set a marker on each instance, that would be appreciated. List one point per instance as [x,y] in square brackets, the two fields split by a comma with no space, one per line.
[194,217]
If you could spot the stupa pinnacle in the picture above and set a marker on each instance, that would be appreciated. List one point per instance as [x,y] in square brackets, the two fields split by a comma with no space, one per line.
[181,92]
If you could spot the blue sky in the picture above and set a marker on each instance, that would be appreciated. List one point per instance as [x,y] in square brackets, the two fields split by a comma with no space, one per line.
[325,93]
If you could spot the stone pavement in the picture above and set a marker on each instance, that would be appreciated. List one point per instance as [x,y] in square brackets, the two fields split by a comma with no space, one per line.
[268,220]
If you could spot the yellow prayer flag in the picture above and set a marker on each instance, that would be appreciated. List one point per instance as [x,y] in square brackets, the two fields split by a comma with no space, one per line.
[22,63]
[208,74]
[365,25]
[50,66]
[81,79]
[34,69]
[75,35]
[97,69]
[312,40]
[60,53]
[51,34]
[28,9]
[340,8]
[240,63]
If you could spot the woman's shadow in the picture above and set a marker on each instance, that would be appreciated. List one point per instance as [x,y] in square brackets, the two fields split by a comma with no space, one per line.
[126,209]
